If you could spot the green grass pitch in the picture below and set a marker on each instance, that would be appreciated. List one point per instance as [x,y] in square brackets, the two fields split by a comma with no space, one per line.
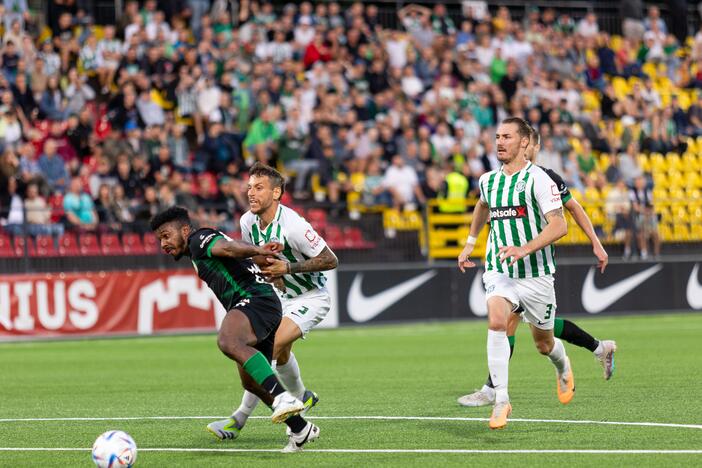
[404,370]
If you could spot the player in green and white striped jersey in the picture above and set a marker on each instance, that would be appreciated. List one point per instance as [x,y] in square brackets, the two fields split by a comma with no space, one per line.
[298,275]
[525,211]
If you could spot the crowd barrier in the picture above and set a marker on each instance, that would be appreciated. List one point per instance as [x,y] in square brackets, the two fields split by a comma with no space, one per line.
[151,302]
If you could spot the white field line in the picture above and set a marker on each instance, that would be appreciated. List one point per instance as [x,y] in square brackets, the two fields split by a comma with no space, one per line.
[413,451]
[386,418]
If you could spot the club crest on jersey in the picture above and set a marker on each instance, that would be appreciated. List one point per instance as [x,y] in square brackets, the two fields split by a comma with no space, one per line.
[521,185]
[508,212]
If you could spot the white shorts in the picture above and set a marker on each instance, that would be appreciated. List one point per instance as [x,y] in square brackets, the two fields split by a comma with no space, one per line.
[536,295]
[307,309]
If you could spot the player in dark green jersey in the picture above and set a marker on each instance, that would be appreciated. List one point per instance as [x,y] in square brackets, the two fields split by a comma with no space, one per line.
[247,332]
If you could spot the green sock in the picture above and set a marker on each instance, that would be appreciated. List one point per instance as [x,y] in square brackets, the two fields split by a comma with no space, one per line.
[558,327]
[258,367]
[511,341]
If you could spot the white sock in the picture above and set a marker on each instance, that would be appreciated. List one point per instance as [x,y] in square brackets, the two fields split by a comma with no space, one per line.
[289,374]
[600,349]
[248,404]
[558,356]
[498,363]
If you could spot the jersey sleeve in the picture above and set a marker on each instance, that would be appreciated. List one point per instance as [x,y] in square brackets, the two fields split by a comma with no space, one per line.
[303,238]
[201,243]
[560,183]
[546,192]
[482,185]
[245,226]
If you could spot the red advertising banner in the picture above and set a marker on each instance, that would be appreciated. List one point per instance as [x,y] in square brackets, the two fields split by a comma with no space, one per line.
[103,303]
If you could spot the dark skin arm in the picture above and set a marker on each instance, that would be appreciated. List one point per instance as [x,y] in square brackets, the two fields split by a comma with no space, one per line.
[241,249]
[326,260]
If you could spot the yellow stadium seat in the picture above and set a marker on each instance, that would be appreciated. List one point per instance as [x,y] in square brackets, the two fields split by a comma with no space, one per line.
[680,214]
[660,192]
[693,193]
[644,162]
[649,68]
[621,87]
[660,179]
[615,42]
[675,178]
[676,194]
[357,181]
[693,180]
[658,162]
[666,232]
[592,194]
[576,194]
[591,100]
[690,161]
[681,233]
[577,146]
[696,232]
[674,161]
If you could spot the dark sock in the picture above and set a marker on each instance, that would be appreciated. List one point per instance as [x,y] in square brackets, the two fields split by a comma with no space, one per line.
[511,350]
[296,423]
[273,386]
[573,334]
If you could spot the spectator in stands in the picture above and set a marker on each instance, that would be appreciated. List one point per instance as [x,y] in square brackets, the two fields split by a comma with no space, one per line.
[618,209]
[646,218]
[79,207]
[587,27]
[78,93]
[52,103]
[653,20]
[38,216]
[103,207]
[403,184]
[52,167]
[374,193]
[12,209]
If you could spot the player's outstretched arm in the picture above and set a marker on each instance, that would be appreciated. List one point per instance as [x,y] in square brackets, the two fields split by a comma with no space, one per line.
[554,230]
[325,260]
[480,217]
[585,224]
[240,249]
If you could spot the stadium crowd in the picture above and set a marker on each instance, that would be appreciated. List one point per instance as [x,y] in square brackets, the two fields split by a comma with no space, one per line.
[102,126]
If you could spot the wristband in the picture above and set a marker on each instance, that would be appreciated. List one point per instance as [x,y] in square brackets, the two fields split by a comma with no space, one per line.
[289,268]
[471,240]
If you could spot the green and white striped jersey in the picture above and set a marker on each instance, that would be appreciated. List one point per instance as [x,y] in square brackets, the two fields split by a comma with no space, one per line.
[300,242]
[517,206]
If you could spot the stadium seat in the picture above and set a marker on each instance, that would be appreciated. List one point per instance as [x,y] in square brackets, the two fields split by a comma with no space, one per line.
[68,245]
[334,237]
[131,244]
[24,241]
[111,245]
[89,245]
[6,249]
[317,218]
[151,244]
[45,246]
[234,234]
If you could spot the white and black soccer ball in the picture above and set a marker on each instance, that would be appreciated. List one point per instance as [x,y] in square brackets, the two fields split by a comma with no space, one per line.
[114,449]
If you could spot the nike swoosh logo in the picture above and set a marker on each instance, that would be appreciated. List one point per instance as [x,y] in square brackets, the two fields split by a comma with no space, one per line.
[596,300]
[363,308]
[476,298]
[694,289]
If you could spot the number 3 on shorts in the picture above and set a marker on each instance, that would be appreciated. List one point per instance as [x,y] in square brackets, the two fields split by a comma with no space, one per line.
[549,311]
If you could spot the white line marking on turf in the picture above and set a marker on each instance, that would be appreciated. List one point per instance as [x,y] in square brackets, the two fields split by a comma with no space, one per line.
[388,418]
[474,451]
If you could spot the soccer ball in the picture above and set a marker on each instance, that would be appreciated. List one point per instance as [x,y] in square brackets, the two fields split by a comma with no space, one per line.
[114,449]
